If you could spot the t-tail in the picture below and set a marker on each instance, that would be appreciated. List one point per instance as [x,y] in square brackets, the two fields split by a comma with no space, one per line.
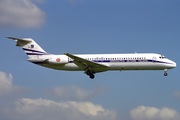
[30,47]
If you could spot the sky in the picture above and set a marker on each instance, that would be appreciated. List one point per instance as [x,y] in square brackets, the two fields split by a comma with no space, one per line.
[32,92]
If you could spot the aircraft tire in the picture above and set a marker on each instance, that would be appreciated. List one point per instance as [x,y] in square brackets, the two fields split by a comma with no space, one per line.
[165,74]
[92,76]
[88,72]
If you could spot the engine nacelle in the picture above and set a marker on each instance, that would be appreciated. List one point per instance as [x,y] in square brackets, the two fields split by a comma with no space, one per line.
[58,60]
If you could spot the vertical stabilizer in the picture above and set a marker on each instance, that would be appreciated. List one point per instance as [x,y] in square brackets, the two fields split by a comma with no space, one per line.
[30,47]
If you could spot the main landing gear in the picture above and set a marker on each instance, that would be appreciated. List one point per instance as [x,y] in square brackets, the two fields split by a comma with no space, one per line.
[90,74]
[165,72]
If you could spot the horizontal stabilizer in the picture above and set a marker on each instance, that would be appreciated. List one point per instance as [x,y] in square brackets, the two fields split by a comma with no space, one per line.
[22,40]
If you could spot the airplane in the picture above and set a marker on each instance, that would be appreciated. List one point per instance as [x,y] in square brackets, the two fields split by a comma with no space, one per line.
[93,63]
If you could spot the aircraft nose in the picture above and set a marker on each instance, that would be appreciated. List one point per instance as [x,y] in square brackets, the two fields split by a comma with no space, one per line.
[174,64]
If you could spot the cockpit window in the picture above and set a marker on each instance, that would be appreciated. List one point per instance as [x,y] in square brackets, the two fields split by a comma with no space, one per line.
[162,57]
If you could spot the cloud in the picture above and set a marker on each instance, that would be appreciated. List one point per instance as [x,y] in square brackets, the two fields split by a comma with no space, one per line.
[6,87]
[152,113]
[75,93]
[44,109]
[38,1]
[20,14]
[177,95]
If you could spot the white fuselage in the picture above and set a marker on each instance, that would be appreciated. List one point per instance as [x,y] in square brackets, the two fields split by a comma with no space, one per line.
[143,61]
[93,63]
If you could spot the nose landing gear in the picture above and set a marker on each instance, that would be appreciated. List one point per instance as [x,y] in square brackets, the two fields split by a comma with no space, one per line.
[165,72]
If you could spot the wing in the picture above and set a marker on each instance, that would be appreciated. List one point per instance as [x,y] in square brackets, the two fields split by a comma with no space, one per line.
[86,64]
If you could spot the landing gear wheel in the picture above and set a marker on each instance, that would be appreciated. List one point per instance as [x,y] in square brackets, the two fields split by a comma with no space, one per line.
[88,72]
[165,74]
[91,76]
